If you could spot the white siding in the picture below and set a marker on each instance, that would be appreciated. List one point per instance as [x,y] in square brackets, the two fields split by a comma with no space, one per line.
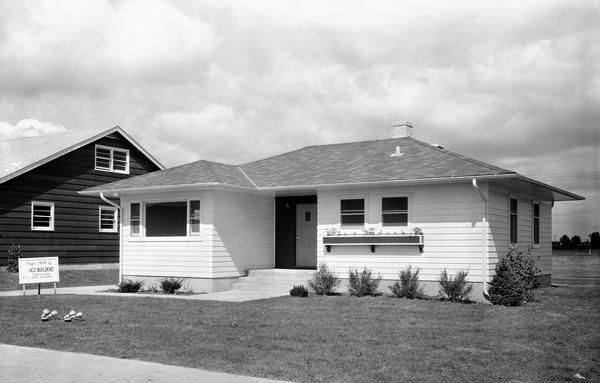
[449,215]
[173,256]
[499,239]
[243,236]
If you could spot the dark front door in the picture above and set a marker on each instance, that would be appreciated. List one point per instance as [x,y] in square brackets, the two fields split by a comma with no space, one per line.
[286,231]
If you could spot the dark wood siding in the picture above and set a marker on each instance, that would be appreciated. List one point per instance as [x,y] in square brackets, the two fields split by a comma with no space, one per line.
[76,237]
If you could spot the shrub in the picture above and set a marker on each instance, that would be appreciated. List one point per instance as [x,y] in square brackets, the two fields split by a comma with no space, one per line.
[408,285]
[170,285]
[514,281]
[129,286]
[455,289]
[299,291]
[362,283]
[14,253]
[324,281]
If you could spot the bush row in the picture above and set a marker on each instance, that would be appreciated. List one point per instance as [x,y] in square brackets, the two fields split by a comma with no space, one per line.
[167,285]
[513,283]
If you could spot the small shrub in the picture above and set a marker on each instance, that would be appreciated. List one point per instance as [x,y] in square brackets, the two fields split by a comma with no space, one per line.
[514,281]
[324,281]
[408,285]
[299,291]
[363,284]
[14,253]
[456,289]
[129,286]
[170,285]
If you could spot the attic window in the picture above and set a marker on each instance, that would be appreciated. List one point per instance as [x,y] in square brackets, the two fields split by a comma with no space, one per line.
[110,159]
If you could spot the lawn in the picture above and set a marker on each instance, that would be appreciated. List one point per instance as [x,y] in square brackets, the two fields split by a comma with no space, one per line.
[330,339]
[576,267]
[68,278]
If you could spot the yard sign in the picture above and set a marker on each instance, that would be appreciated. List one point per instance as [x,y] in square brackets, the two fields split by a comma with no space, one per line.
[38,270]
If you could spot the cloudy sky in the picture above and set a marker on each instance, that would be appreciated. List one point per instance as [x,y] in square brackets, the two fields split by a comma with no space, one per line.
[516,84]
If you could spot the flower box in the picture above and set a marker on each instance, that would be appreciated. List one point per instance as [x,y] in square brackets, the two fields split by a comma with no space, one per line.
[373,241]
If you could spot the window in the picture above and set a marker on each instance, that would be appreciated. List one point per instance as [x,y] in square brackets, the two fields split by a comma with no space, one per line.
[112,160]
[194,217]
[394,211]
[42,216]
[352,212]
[108,219]
[536,224]
[171,219]
[134,219]
[513,221]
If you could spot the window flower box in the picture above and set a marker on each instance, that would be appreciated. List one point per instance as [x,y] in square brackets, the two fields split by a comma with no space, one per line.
[374,240]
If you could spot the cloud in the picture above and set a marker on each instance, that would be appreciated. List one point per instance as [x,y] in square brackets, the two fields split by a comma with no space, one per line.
[28,128]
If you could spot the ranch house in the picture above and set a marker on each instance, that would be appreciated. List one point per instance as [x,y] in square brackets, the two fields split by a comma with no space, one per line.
[383,204]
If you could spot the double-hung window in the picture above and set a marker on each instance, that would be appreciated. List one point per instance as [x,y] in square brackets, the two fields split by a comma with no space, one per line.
[108,219]
[112,159]
[513,221]
[42,216]
[352,212]
[165,219]
[536,224]
[394,211]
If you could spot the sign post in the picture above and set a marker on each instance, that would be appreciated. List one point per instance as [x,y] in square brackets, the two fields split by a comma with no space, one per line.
[38,270]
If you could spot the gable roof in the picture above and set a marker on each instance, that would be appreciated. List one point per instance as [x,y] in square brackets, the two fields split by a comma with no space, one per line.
[20,155]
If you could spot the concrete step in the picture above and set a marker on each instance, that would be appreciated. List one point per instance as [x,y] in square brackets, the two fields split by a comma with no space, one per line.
[280,280]
[299,273]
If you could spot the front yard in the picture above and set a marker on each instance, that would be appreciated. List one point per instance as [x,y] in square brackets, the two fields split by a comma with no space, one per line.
[330,339]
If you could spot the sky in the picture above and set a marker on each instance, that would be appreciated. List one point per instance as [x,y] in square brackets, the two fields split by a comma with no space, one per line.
[512,83]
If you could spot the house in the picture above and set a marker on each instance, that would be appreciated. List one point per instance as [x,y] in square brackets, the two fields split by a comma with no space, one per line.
[383,204]
[40,207]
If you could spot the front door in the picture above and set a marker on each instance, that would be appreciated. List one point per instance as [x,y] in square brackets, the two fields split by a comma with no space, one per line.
[306,235]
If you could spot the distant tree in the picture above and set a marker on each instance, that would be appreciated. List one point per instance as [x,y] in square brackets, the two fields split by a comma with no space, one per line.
[565,242]
[595,240]
[575,241]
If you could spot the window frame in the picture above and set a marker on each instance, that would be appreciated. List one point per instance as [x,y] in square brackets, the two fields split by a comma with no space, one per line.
[365,210]
[408,209]
[142,221]
[513,241]
[535,231]
[114,210]
[111,160]
[52,210]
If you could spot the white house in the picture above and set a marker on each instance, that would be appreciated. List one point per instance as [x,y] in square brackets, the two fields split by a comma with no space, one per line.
[349,205]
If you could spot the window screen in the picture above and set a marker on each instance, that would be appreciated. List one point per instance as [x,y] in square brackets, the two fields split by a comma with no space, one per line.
[513,221]
[536,224]
[352,212]
[394,211]
[166,219]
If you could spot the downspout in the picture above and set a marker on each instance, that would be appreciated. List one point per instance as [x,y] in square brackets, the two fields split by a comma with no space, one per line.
[484,248]
[103,198]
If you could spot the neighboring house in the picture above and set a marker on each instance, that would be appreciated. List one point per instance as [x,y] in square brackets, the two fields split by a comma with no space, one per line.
[40,207]
[211,223]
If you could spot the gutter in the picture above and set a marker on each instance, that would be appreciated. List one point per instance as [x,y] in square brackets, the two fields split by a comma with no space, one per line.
[103,198]
[484,247]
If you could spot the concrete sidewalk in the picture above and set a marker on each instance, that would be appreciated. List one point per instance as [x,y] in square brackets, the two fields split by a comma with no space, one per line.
[223,296]
[29,365]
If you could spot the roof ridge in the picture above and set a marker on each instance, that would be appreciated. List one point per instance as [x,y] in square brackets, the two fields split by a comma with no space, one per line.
[460,156]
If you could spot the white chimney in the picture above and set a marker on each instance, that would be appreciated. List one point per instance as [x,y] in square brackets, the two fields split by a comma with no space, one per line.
[401,129]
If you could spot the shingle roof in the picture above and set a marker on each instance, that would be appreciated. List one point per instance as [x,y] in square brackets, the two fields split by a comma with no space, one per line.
[195,173]
[365,161]
[354,162]
[19,155]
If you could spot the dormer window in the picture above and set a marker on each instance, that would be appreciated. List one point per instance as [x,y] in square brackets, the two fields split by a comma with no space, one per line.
[112,159]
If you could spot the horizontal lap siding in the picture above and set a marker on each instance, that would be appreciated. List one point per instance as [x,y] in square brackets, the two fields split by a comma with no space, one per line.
[185,257]
[243,234]
[449,215]
[76,237]
[499,238]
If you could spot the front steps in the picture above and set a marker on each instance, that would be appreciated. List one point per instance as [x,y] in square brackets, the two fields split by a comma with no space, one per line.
[274,280]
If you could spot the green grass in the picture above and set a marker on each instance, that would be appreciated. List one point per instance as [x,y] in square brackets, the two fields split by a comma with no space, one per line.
[576,267]
[330,339]
[68,278]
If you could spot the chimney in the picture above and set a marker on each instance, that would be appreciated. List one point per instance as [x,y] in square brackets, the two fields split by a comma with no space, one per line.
[401,129]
